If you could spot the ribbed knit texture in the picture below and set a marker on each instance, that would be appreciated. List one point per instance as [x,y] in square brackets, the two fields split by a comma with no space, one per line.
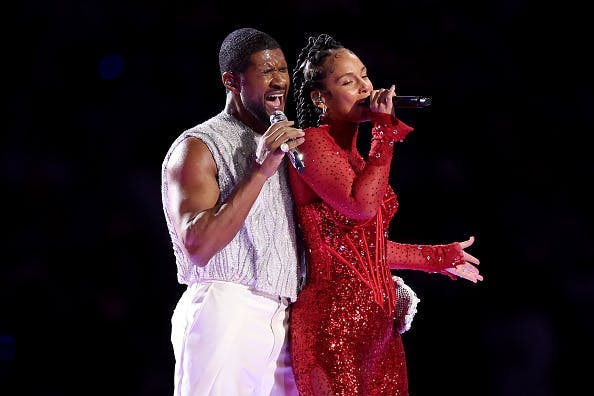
[263,254]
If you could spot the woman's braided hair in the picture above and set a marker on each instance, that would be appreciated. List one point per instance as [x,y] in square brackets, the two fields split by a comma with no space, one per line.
[308,76]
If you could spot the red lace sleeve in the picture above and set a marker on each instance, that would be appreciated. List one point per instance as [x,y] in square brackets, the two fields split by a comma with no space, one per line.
[428,258]
[330,175]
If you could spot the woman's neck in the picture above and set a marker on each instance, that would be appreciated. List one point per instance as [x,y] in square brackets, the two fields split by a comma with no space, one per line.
[344,134]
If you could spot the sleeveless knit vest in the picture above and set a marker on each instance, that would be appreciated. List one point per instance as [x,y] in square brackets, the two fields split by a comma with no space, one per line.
[263,255]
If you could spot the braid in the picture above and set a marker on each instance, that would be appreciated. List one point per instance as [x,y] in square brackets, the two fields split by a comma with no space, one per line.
[308,76]
[299,91]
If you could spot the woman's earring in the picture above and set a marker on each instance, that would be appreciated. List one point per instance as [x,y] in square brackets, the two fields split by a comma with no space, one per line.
[322,115]
[318,101]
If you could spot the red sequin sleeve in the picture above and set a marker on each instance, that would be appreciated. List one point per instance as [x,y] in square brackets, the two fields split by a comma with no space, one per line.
[428,258]
[330,175]
[385,131]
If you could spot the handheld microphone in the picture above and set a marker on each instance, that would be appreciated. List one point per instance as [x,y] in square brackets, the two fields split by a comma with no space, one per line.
[411,102]
[295,156]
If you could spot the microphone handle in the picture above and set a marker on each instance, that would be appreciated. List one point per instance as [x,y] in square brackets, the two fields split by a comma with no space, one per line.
[411,102]
[295,156]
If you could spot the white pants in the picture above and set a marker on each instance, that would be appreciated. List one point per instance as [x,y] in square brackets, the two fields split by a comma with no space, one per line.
[229,340]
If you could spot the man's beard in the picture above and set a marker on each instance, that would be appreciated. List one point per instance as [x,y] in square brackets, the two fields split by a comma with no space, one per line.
[258,112]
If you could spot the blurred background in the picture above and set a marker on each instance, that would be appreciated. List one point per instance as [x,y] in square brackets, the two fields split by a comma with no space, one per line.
[97,91]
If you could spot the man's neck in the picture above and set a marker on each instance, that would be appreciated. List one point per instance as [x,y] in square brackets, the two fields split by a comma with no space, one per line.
[234,106]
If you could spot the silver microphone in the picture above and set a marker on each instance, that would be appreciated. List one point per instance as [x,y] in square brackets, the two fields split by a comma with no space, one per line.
[295,156]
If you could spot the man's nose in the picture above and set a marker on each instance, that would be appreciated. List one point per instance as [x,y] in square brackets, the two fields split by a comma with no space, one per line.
[279,80]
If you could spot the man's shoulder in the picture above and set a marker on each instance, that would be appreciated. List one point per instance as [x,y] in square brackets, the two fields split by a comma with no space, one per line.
[212,123]
[201,131]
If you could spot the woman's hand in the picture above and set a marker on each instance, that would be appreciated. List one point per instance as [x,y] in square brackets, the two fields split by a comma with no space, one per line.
[467,270]
[380,100]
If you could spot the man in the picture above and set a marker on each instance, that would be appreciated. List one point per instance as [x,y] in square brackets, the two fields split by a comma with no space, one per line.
[229,213]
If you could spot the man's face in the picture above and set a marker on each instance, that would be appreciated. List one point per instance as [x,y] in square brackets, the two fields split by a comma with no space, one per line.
[265,84]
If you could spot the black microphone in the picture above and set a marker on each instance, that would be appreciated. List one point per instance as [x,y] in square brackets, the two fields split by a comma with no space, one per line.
[295,156]
[411,102]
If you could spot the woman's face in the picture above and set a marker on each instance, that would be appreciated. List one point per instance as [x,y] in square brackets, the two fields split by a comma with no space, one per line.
[347,88]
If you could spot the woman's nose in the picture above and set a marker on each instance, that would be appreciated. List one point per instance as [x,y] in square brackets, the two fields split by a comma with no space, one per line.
[364,87]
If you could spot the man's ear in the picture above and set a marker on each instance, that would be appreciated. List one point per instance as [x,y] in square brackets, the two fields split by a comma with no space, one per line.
[228,80]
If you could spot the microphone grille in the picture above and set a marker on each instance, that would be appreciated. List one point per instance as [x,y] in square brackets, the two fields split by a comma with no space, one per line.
[277,116]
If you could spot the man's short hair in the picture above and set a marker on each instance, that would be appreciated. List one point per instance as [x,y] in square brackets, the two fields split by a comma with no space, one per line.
[238,47]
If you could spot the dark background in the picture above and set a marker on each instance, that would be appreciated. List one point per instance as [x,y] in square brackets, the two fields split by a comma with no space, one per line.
[97,90]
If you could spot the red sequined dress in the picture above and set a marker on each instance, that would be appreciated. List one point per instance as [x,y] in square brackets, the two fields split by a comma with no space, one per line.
[343,340]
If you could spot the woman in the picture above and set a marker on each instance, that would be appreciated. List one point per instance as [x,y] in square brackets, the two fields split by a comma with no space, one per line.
[343,340]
